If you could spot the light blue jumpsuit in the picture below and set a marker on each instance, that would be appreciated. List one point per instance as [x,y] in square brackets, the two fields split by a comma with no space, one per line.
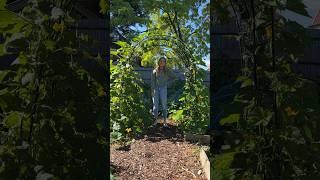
[159,84]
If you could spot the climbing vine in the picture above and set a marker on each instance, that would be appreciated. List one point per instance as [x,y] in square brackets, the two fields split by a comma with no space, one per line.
[129,108]
[133,113]
[52,104]
[168,36]
[273,123]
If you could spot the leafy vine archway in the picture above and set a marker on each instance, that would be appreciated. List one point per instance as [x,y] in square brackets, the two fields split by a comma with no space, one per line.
[193,116]
[182,51]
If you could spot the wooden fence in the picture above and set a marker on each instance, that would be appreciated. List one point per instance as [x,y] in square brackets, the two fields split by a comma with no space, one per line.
[145,74]
[95,29]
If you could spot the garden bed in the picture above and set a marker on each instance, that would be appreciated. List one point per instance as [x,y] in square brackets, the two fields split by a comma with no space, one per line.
[162,154]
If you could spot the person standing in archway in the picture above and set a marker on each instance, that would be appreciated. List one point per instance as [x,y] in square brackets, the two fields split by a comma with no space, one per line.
[160,79]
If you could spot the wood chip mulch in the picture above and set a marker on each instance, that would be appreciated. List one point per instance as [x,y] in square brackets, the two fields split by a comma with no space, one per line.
[160,154]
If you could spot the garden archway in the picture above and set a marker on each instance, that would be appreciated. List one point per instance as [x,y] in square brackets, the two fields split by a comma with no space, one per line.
[181,50]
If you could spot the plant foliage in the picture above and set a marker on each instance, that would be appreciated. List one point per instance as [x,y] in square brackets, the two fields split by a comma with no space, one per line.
[52,105]
[273,120]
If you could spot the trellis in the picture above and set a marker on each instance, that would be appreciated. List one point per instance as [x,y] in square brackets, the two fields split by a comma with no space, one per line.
[245,28]
[182,50]
[250,39]
[193,90]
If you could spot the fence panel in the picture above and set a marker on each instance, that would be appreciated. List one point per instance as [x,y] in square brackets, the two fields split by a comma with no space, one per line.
[145,74]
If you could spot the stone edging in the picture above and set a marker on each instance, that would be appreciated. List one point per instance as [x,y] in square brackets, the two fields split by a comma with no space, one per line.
[204,140]
[205,163]
[201,139]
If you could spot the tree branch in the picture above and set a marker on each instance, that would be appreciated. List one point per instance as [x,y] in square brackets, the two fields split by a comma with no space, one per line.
[178,27]
[172,24]
[121,37]
[235,13]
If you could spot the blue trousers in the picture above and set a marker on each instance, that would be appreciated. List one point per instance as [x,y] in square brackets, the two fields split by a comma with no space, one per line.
[160,93]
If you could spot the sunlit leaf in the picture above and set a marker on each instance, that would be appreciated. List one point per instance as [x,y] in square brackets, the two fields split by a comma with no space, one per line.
[13,119]
[232,118]
[104,6]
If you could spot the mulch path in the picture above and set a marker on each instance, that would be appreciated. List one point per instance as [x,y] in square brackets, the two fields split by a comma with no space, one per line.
[160,154]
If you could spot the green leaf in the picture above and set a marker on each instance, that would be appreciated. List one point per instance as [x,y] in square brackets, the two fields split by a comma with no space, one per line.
[177,115]
[16,40]
[232,118]
[3,4]
[270,3]
[10,22]
[139,130]
[222,166]
[50,44]
[21,59]
[27,78]
[259,116]
[103,6]
[308,132]
[13,119]
[70,50]
[3,74]
[121,43]
[4,91]
[245,81]
[297,6]
[115,53]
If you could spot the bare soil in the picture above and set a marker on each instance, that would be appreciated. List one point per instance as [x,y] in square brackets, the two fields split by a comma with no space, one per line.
[160,154]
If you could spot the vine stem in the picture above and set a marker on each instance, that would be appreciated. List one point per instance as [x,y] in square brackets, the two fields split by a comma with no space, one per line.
[36,91]
[277,122]
[21,128]
[236,14]
[254,46]
[275,106]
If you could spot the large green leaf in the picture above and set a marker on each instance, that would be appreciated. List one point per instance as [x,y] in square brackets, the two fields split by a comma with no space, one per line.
[232,118]
[259,116]
[121,43]
[3,74]
[16,40]
[13,119]
[10,22]
[3,4]
[308,132]
[246,81]
[178,115]
[27,78]
[104,6]
[50,45]
[4,91]
[221,166]
[297,6]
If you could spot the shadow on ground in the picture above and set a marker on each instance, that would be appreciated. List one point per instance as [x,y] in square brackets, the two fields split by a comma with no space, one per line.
[116,169]
[158,133]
